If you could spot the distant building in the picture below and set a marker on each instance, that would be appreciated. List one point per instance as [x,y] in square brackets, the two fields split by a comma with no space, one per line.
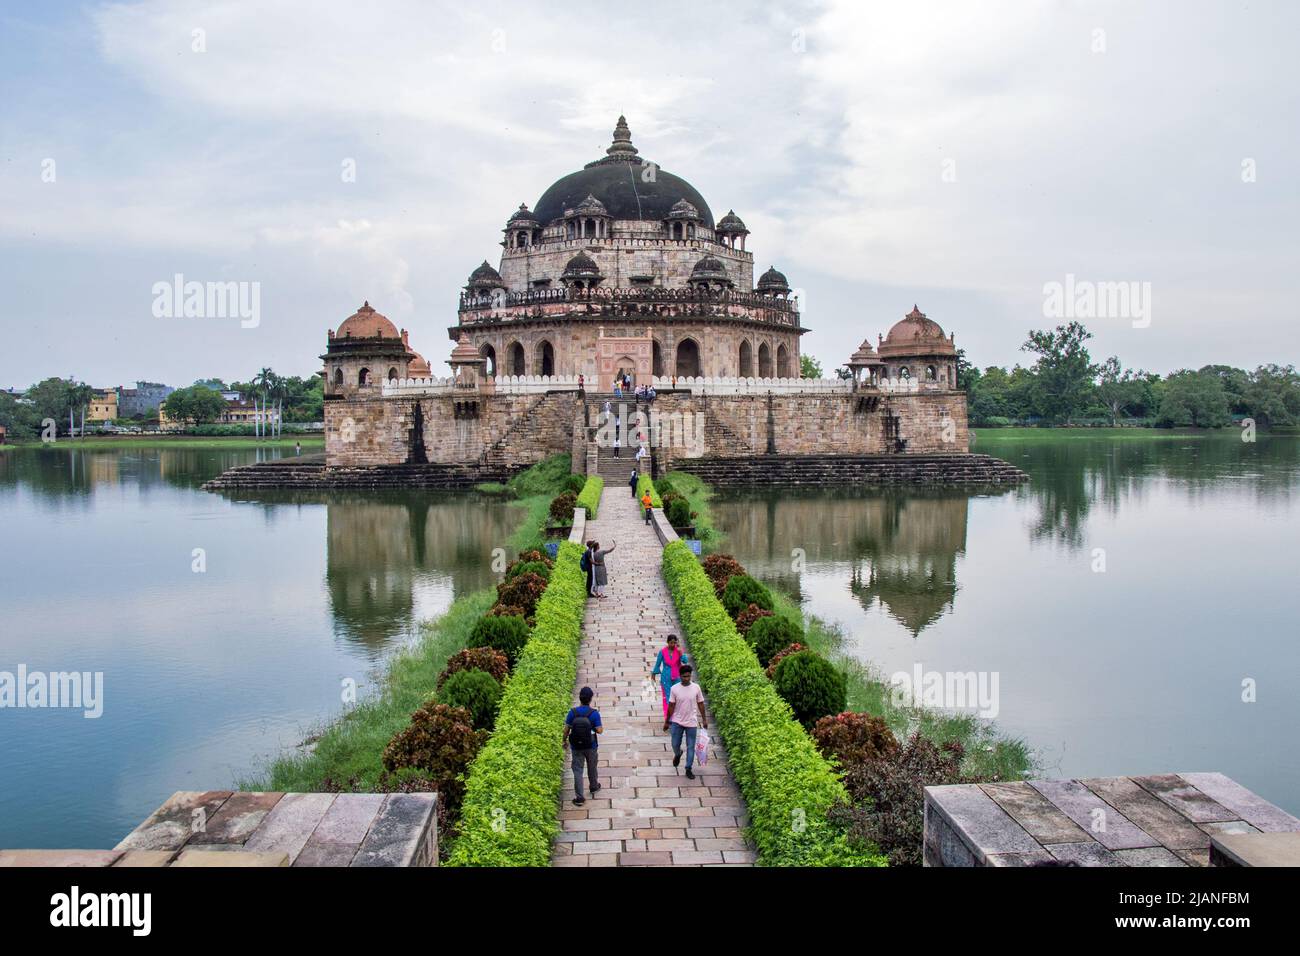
[144,399]
[103,406]
[238,412]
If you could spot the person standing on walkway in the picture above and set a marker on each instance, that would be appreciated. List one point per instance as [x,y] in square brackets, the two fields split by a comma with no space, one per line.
[648,504]
[589,568]
[668,668]
[598,561]
[685,717]
[633,482]
[581,727]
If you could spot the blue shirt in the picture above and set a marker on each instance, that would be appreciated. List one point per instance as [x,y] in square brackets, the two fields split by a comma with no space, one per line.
[591,712]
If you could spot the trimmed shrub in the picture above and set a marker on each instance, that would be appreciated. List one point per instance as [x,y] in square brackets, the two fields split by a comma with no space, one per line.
[590,496]
[769,635]
[665,487]
[749,617]
[523,590]
[781,655]
[517,568]
[487,659]
[678,513]
[853,738]
[780,772]
[535,555]
[440,744]
[505,610]
[742,591]
[477,692]
[521,769]
[721,568]
[575,483]
[505,633]
[888,806]
[811,685]
[562,506]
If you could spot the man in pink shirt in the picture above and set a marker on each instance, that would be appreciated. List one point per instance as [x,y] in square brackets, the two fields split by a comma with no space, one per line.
[686,716]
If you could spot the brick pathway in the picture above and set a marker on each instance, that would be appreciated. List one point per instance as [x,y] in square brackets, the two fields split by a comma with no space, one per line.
[647,813]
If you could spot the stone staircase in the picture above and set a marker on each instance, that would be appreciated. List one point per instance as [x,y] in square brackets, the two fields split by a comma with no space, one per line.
[524,432]
[947,470]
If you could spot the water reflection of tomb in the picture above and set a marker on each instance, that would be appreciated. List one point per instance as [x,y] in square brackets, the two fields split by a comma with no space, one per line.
[901,550]
[378,550]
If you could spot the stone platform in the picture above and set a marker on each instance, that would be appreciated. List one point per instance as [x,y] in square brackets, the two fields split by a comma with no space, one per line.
[221,828]
[310,475]
[1184,819]
[956,470]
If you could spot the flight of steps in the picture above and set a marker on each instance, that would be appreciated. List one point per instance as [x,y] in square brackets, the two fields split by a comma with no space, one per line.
[524,432]
[950,470]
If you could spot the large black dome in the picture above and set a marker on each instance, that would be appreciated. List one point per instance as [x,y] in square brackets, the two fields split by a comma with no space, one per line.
[617,182]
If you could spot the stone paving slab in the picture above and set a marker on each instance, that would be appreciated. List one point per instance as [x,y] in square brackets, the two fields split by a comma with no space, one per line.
[1173,820]
[646,813]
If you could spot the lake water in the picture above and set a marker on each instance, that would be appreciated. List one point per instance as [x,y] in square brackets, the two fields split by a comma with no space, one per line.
[1137,669]
[1134,669]
[208,674]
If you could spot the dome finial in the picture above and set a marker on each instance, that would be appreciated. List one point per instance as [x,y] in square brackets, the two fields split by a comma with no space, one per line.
[622,146]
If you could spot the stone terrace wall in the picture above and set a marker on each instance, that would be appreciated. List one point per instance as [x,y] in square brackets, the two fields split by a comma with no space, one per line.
[498,430]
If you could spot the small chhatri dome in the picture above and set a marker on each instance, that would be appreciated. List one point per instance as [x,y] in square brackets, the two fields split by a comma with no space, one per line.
[731,223]
[523,215]
[683,209]
[591,206]
[865,356]
[581,266]
[366,323]
[464,353]
[916,330]
[773,281]
[485,277]
[709,268]
[418,367]
[621,149]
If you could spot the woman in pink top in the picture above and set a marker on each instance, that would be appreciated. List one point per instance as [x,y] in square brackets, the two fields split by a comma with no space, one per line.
[668,667]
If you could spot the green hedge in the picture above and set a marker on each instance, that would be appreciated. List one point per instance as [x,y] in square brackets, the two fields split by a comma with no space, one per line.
[513,787]
[590,497]
[788,785]
[643,485]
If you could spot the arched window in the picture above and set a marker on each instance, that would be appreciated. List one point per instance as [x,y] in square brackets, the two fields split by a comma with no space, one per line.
[363,377]
[904,373]
[338,377]
[392,374]
[515,359]
[688,359]
[656,358]
[545,362]
[782,362]
[746,359]
[931,373]
[490,359]
[764,361]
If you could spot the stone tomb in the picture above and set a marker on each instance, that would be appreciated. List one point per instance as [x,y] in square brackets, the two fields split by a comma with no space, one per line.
[1186,819]
[221,828]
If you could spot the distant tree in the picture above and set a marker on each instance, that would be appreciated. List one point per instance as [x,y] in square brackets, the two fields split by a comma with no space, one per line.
[196,405]
[1063,372]
[20,420]
[1235,382]
[1272,395]
[844,373]
[1119,390]
[967,374]
[1193,398]
[809,367]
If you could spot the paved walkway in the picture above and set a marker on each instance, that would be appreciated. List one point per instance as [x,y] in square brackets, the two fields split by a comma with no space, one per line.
[647,813]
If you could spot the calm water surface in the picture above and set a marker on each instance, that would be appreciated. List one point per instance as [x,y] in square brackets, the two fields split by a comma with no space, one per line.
[205,674]
[1135,669]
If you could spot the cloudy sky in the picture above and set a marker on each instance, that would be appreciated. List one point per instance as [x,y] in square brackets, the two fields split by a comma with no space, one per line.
[959,156]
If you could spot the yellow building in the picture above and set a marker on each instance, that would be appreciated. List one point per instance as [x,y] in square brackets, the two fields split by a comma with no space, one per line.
[103,406]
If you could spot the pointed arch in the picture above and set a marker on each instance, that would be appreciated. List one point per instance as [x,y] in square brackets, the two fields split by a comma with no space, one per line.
[688,359]
[746,364]
[515,361]
[783,362]
[544,361]
[764,361]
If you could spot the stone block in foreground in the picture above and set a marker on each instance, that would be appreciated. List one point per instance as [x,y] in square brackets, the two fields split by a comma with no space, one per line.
[220,828]
[1187,819]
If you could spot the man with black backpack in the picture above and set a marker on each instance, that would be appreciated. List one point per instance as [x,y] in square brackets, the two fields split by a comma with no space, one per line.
[581,726]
